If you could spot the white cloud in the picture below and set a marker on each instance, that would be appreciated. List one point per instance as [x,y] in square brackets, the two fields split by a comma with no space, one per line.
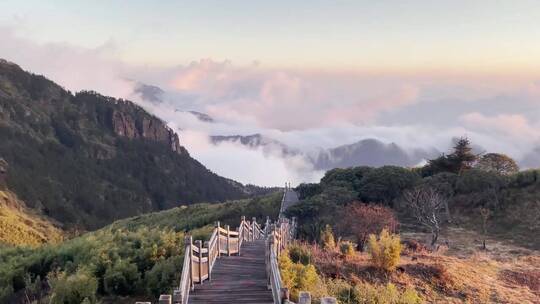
[306,110]
[72,67]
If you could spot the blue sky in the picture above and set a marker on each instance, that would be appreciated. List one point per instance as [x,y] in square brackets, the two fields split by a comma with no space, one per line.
[474,36]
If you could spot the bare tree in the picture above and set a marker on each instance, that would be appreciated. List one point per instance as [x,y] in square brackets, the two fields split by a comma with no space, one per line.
[484,213]
[426,205]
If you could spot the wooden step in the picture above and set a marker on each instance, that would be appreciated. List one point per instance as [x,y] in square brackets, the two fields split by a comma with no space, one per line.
[237,279]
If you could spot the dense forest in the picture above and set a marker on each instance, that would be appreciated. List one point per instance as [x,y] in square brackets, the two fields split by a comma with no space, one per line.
[86,159]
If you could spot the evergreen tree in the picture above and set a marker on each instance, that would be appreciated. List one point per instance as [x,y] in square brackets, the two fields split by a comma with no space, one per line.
[462,158]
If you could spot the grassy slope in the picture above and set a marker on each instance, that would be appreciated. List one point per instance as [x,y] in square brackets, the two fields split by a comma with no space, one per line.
[150,245]
[20,226]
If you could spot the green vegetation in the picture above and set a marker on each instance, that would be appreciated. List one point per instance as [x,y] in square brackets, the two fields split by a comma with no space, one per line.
[346,248]
[302,270]
[327,238]
[384,250]
[372,294]
[463,182]
[299,277]
[140,256]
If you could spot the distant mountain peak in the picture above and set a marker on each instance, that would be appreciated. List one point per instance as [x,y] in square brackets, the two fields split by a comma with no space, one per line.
[255,141]
[201,116]
[151,93]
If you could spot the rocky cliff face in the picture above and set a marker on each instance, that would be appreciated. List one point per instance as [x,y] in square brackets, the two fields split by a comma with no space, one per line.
[150,128]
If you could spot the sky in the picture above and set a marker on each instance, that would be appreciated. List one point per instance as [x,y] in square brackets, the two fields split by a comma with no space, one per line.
[480,36]
[311,74]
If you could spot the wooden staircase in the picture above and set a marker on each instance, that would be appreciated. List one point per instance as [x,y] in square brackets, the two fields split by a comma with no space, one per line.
[239,266]
[237,279]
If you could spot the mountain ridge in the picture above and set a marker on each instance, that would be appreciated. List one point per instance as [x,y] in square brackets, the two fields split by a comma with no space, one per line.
[86,159]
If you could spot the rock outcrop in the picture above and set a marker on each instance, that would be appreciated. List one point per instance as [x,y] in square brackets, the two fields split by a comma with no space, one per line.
[150,128]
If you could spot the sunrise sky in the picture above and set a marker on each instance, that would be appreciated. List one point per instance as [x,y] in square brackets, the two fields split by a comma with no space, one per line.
[476,36]
[311,74]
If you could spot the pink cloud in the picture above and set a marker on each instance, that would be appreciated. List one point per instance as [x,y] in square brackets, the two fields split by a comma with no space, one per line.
[287,100]
[504,124]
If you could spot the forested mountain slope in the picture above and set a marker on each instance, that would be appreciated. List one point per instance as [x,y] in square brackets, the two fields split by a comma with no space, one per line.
[86,159]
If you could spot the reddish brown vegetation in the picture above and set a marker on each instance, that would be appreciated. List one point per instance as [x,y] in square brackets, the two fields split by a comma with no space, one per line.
[413,247]
[436,273]
[529,278]
[361,220]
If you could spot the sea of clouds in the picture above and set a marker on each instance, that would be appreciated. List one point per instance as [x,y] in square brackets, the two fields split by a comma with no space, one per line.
[305,109]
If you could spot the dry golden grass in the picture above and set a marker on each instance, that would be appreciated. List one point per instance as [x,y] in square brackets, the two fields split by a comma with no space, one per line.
[21,226]
[498,276]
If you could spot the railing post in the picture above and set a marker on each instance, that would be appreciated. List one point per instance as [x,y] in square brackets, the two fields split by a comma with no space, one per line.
[328,300]
[242,221]
[199,245]
[267,226]
[177,296]
[218,239]
[269,246]
[253,227]
[209,254]
[228,240]
[304,297]
[165,299]
[239,243]
[189,244]
[284,295]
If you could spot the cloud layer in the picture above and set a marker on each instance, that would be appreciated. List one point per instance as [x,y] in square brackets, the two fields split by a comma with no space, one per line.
[305,109]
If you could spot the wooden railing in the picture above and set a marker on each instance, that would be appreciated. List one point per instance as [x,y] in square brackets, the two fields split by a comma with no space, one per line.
[279,236]
[199,258]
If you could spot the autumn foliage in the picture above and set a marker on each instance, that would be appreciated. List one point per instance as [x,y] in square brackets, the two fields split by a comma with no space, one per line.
[361,220]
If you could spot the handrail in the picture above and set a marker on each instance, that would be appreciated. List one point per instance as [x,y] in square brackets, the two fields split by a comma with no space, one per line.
[199,260]
[279,235]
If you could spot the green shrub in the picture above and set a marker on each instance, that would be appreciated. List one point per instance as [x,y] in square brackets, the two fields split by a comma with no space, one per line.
[72,289]
[327,238]
[298,277]
[385,294]
[385,250]
[366,293]
[5,293]
[161,277]
[342,291]
[346,248]
[299,254]
[121,279]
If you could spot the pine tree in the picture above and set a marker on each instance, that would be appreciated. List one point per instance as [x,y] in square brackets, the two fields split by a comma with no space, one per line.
[462,158]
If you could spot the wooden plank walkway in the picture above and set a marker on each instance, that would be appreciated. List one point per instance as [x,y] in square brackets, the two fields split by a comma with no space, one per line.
[237,279]
[290,198]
